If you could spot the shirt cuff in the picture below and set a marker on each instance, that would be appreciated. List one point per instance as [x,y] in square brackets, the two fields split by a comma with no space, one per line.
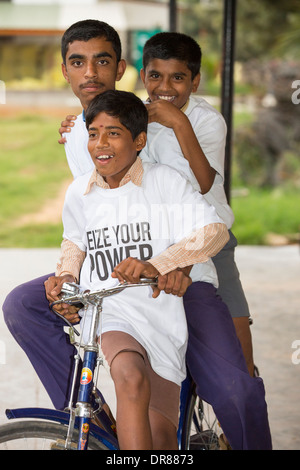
[198,247]
[71,259]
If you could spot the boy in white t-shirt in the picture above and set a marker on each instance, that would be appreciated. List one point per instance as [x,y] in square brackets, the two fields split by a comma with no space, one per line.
[153,221]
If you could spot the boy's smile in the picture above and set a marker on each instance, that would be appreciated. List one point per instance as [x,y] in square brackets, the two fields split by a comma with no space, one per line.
[91,68]
[169,80]
[112,148]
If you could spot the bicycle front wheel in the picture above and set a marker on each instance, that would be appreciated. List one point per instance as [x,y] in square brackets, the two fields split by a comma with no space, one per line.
[204,427]
[40,435]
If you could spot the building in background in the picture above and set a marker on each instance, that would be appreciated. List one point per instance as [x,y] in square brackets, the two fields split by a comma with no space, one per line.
[30,33]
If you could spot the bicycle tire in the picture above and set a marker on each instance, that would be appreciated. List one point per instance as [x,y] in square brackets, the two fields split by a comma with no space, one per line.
[189,420]
[29,435]
[203,435]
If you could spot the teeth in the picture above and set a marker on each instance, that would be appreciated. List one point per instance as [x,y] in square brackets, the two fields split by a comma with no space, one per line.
[104,157]
[167,98]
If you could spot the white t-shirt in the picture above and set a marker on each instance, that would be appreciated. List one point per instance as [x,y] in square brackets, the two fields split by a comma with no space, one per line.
[138,221]
[163,147]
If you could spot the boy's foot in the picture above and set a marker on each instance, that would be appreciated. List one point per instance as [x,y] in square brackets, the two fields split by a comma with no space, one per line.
[224,444]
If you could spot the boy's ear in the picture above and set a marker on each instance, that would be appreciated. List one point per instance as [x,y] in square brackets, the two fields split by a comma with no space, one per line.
[142,75]
[141,141]
[64,72]
[120,69]
[196,82]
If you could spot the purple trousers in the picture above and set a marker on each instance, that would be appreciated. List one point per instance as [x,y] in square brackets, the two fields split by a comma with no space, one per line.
[214,358]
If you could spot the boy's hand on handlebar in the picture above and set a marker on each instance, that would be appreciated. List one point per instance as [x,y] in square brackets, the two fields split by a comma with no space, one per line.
[132,269]
[65,126]
[175,282]
[53,287]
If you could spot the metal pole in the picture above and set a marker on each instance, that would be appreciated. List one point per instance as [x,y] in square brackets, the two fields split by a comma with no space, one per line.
[172,15]
[227,91]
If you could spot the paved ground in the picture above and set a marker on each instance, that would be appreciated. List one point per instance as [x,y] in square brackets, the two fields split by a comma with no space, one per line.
[271,279]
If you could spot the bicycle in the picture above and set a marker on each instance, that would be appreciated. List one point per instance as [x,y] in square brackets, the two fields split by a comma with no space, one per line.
[88,427]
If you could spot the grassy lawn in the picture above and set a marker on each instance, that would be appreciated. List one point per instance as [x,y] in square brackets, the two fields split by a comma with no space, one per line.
[263,214]
[33,168]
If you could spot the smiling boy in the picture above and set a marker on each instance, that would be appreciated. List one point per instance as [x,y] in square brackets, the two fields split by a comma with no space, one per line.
[188,134]
[144,349]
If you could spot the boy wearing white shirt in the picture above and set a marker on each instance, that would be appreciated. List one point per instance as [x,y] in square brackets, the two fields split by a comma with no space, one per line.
[146,337]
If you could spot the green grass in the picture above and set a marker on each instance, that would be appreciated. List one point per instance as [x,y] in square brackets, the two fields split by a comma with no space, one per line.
[266,211]
[32,236]
[33,168]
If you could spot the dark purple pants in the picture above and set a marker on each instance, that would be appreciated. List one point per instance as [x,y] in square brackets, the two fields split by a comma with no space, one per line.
[218,367]
[214,358]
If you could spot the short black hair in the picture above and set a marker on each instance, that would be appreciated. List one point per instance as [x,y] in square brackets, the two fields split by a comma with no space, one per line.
[124,105]
[89,29]
[169,45]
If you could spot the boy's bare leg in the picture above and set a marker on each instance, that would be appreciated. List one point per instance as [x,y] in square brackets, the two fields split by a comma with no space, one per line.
[132,386]
[243,332]
[163,432]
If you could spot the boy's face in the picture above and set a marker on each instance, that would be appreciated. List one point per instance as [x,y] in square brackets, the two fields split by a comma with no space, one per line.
[91,68]
[169,80]
[112,148]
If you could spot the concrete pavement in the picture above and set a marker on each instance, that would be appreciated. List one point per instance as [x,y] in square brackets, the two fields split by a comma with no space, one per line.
[271,279]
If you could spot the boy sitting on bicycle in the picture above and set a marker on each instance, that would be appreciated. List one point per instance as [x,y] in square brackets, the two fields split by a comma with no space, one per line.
[187,134]
[131,219]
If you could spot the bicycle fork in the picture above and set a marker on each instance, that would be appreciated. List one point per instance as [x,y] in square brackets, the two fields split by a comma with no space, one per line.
[84,410]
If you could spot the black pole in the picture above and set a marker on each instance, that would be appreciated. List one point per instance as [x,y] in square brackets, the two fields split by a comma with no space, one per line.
[228,83]
[172,16]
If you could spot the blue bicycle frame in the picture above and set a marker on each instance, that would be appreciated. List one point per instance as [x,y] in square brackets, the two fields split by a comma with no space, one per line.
[81,417]
[107,436]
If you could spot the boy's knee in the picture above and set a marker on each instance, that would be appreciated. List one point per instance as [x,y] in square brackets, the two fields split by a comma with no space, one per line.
[131,381]
[12,305]
[19,306]
[247,393]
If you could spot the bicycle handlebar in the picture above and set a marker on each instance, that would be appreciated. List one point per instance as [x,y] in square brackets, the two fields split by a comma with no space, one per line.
[90,296]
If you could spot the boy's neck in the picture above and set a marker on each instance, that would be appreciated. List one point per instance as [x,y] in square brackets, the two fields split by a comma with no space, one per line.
[134,174]
[184,107]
